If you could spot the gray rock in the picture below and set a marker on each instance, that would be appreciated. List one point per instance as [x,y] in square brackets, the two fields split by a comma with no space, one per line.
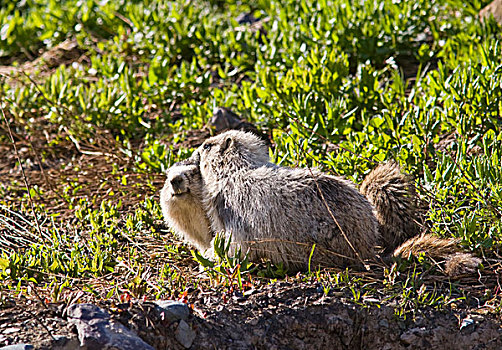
[408,338]
[224,119]
[383,323]
[412,335]
[18,347]
[97,331]
[61,342]
[246,18]
[184,334]
[172,310]
[87,312]
[466,322]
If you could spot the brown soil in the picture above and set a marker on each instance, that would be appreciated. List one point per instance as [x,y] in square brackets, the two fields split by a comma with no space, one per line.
[279,316]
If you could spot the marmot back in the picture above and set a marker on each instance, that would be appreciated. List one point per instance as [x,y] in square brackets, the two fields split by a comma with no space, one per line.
[279,213]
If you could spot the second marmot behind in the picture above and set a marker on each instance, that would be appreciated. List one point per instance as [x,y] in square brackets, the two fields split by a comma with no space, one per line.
[279,213]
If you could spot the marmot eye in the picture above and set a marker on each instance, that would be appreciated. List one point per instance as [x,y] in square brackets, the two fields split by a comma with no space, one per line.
[207,146]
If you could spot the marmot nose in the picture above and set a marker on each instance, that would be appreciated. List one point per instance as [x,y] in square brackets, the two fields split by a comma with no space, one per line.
[176,182]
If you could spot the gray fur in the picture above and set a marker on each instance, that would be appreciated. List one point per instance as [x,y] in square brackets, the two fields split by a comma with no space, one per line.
[181,203]
[278,213]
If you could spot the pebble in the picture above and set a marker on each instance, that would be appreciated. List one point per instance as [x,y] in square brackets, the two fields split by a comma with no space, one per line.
[97,331]
[184,334]
[412,336]
[87,312]
[466,322]
[18,347]
[172,310]
[10,330]
[408,338]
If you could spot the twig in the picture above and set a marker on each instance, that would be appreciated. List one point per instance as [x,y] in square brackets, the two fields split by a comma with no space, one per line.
[22,168]
[89,153]
[32,208]
[366,266]
[487,202]
[328,141]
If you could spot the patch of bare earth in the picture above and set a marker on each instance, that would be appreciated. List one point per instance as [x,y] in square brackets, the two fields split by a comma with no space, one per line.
[278,316]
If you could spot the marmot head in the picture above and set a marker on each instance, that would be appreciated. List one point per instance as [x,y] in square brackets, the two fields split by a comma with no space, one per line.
[232,150]
[181,203]
[183,178]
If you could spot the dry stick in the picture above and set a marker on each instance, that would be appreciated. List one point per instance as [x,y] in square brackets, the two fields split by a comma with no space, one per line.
[488,203]
[424,190]
[89,153]
[366,266]
[68,113]
[22,169]
[32,208]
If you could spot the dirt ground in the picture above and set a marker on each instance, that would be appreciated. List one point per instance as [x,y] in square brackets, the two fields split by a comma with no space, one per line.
[279,316]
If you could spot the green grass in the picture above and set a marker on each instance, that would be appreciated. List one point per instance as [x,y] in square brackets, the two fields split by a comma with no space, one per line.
[341,85]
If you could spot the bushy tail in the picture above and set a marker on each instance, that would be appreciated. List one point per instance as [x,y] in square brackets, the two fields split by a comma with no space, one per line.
[393,197]
[440,250]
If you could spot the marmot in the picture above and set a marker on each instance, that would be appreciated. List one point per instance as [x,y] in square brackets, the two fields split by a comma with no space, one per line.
[280,213]
[291,250]
[181,203]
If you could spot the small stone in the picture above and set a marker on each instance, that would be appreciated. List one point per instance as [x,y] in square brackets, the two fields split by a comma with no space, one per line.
[246,18]
[408,338]
[383,323]
[87,312]
[96,331]
[184,334]
[11,330]
[466,322]
[172,310]
[18,347]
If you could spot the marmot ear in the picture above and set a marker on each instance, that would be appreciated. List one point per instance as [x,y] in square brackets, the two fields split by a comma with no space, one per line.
[195,157]
[226,144]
